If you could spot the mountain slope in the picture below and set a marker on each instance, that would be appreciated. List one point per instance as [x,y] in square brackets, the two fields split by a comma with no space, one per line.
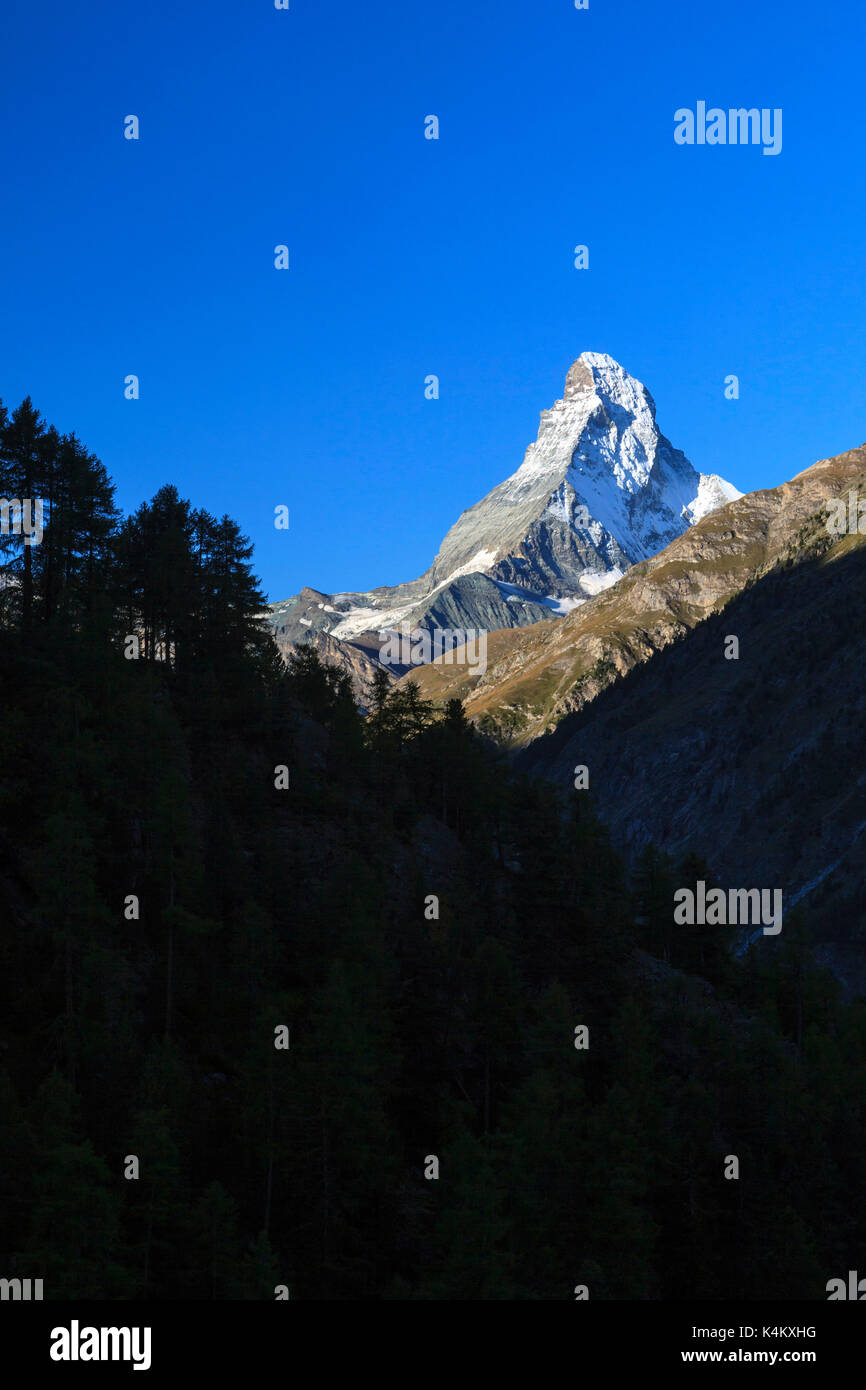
[761,761]
[535,677]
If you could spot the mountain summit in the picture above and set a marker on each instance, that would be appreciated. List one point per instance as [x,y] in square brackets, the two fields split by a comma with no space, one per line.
[599,490]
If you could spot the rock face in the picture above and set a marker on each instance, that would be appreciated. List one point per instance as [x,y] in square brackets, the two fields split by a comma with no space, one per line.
[536,676]
[599,490]
[348,656]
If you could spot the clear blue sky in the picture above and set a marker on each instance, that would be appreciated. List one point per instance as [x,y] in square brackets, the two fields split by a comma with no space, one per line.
[410,257]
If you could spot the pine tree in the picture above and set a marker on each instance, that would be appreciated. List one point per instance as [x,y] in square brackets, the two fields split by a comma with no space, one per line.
[24,445]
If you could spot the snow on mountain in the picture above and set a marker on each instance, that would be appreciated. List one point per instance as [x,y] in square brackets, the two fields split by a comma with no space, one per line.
[713,493]
[598,490]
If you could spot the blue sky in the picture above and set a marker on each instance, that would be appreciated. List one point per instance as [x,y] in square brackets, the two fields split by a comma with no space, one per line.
[409,256]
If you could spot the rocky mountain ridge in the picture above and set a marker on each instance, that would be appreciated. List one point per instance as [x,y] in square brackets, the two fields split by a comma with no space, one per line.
[534,677]
[599,490]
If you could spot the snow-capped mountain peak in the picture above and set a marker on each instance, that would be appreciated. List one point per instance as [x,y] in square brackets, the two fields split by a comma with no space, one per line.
[599,489]
[599,461]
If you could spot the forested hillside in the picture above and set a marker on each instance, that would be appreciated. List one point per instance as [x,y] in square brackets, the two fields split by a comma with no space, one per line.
[431,929]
